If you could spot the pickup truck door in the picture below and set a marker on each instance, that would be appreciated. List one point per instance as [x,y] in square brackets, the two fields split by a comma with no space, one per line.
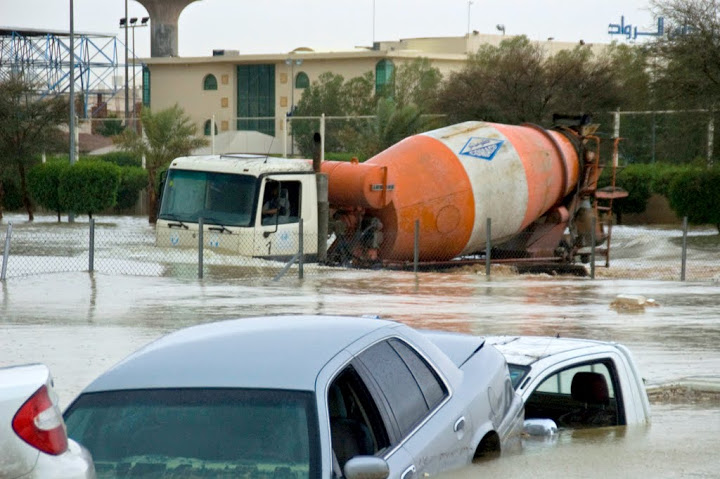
[278,218]
[551,392]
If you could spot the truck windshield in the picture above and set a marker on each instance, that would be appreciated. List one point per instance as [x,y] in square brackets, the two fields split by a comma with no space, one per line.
[218,198]
[198,432]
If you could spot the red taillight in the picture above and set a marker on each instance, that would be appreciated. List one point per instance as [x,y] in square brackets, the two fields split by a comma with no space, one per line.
[39,423]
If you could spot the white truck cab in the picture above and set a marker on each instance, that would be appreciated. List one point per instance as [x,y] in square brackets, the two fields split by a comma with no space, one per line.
[249,205]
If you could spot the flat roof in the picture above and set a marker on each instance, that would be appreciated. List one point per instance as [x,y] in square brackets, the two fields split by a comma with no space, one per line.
[281,57]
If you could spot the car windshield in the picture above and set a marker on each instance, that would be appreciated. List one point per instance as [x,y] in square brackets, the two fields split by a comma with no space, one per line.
[517,374]
[219,198]
[181,433]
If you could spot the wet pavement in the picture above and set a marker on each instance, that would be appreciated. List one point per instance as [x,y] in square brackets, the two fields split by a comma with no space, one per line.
[80,324]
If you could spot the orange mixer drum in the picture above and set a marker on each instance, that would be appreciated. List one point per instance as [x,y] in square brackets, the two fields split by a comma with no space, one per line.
[454,178]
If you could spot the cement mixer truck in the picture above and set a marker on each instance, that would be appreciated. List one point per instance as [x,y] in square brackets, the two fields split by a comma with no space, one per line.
[429,195]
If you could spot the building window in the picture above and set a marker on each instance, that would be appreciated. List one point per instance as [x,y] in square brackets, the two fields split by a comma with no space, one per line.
[383,76]
[210,82]
[146,86]
[302,81]
[207,128]
[256,98]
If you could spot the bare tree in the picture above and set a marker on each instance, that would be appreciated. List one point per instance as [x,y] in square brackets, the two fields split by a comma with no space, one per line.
[688,56]
[29,126]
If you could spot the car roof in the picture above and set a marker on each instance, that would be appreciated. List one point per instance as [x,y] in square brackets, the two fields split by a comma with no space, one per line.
[526,350]
[277,352]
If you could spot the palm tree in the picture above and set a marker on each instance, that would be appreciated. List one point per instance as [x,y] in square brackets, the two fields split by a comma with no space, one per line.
[391,124]
[168,134]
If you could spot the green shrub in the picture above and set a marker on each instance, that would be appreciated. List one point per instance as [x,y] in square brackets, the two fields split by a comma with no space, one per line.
[44,185]
[132,180]
[110,126]
[694,193]
[636,180]
[89,186]
[121,158]
[663,175]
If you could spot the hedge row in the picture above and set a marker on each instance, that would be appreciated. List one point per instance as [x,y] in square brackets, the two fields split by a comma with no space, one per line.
[119,158]
[691,190]
[86,187]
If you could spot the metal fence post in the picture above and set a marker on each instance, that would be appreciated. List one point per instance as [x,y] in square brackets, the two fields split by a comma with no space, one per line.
[593,225]
[488,246]
[201,244]
[301,251]
[91,255]
[6,252]
[654,136]
[416,247]
[684,248]
[710,139]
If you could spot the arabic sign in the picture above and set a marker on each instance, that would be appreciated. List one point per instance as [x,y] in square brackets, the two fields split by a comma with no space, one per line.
[484,148]
[631,33]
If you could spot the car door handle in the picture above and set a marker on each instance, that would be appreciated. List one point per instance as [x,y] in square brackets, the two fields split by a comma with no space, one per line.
[409,473]
[459,424]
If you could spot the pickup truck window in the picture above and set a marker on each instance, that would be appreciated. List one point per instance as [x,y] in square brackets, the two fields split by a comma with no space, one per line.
[218,198]
[398,383]
[579,396]
[517,374]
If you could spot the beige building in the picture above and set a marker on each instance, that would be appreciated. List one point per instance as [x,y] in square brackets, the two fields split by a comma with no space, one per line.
[249,96]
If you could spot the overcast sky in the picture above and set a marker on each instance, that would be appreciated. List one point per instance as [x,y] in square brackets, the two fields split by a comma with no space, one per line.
[275,26]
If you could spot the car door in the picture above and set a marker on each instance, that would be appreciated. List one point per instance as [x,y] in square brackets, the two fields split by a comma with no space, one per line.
[416,399]
[360,426]
[278,217]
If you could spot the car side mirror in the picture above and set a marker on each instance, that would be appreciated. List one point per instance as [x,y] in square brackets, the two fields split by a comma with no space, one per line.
[366,467]
[539,427]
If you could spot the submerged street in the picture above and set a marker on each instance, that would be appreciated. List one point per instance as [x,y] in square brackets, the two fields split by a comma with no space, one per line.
[81,324]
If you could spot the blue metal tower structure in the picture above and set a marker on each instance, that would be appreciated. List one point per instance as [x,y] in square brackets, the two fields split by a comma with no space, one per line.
[42,57]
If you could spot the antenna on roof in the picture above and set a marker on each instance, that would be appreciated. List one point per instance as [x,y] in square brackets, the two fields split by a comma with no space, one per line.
[269,150]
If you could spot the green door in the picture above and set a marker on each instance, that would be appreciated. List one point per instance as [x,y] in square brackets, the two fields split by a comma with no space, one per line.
[256,97]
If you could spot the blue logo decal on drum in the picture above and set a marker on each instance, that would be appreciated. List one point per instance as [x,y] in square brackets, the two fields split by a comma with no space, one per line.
[485,148]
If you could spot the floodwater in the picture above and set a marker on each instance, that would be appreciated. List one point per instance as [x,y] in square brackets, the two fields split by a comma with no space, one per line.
[80,324]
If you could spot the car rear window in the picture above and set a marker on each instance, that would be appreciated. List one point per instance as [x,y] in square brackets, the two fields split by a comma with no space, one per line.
[174,433]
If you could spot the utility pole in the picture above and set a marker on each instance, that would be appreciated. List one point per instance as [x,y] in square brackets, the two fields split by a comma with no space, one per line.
[127,92]
[71,130]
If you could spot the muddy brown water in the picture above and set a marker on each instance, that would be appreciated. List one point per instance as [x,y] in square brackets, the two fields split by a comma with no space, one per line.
[81,324]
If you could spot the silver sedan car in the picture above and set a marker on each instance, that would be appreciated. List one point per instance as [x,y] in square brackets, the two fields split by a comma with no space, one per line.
[33,439]
[299,396]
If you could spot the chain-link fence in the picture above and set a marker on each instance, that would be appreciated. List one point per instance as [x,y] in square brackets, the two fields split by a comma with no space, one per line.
[667,136]
[126,245]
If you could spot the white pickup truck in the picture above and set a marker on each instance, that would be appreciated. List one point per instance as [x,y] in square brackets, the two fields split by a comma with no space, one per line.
[574,382]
